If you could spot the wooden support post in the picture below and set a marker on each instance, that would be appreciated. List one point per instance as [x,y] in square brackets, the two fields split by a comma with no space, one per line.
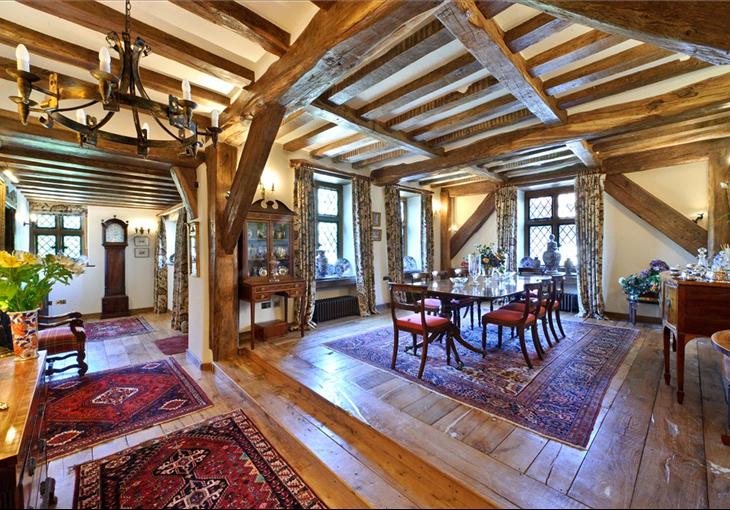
[718,201]
[222,266]
[184,179]
[445,216]
[483,211]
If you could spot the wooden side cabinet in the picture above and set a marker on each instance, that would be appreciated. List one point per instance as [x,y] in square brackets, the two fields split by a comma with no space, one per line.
[24,481]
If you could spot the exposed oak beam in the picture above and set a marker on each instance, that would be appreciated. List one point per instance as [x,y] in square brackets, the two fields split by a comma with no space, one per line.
[313,137]
[473,188]
[245,183]
[341,146]
[689,101]
[102,18]
[187,188]
[718,210]
[241,20]
[694,28]
[570,51]
[666,156]
[677,227]
[484,40]
[584,151]
[482,213]
[533,31]
[393,154]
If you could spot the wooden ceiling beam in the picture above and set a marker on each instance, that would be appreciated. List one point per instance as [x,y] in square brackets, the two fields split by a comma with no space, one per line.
[293,122]
[64,183]
[571,51]
[583,150]
[697,29]
[472,188]
[68,53]
[660,215]
[491,8]
[533,31]
[397,153]
[631,81]
[665,156]
[618,63]
[483,127]
[341,146]
[241,20]
[90,177]
[361,153]
[480,113]
[102,18]
[484,40]
[475,91]
[111,197]
[451,72]
[334,42]
[694,100]
[187,188]
[572,162]
[314,137]
[425,40]
[347,118]
[470,227]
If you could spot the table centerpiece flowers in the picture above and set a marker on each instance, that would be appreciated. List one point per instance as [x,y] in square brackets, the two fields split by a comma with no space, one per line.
[492,259]
[25,281]
[646,283]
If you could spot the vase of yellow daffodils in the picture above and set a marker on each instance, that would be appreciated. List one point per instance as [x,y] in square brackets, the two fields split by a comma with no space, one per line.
[25,281]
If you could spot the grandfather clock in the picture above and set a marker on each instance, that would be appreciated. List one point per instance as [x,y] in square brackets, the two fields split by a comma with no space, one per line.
[115,302]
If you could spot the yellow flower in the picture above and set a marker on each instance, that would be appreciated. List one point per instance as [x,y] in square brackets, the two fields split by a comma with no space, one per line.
[27,258]
[8,260]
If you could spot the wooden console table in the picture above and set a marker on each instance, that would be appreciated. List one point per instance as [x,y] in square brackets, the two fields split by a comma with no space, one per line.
[690,310]
[259,291]
[23,476]
[721,342]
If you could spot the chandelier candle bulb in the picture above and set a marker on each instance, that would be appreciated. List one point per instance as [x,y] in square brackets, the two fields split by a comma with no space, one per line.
[187,96]
[81,116]
[214,118]
[105,60]
[146,129]
[22,58]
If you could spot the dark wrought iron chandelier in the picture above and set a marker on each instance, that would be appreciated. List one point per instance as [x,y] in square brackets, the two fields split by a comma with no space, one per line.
[113,92]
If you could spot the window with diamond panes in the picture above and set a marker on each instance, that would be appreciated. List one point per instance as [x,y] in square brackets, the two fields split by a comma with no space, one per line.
[550,212]
[540,208]
[58,234]
[329,222]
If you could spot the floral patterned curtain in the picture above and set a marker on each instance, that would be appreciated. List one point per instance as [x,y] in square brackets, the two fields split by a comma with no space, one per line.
[394,233]
[306,242]
[427,232]
[506,209]
[362,224]
[589,227]
[159,292]
[180,276]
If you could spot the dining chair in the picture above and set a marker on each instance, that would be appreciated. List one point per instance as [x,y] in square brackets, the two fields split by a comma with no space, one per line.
[464,303]
[520,320]
[432,305]
[418,324]
[546,296]
[554,310]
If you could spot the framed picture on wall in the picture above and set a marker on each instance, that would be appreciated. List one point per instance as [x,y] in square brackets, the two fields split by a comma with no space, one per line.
[141,253]
[377,234]
[193,248]
[141,241]
[376,219]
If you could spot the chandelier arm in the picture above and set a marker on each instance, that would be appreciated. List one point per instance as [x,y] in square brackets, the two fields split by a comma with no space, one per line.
[79,107]
[178,138]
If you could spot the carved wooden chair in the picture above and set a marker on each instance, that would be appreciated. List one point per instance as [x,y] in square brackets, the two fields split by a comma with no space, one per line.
[418,324]
[520,320]
[466,303]
[432,305]
[554,309]
[63,336]
[546,298]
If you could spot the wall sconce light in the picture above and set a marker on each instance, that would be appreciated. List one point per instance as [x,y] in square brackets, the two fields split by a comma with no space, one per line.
[454,228]
[262,190]
[726,187]
[698,216]
[32,218]
[142,230]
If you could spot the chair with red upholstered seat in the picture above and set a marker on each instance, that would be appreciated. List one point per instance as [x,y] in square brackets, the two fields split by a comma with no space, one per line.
[418,324]
[546,298]
[432,305]
[520,320]
[63,336]
[554,310]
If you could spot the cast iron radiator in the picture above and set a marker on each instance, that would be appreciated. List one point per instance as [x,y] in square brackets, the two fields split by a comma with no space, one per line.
[569,303]
[335,308]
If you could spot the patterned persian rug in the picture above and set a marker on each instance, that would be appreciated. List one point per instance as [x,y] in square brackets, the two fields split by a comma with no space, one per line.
[173,345]
[82,412]
[224,462]
[559,398]
[116,328]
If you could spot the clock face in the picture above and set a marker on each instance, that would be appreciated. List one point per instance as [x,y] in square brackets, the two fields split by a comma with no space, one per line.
[114,233]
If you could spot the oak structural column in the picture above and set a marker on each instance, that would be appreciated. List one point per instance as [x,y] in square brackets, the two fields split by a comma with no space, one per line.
[718,200]
[222,266]
[446,215]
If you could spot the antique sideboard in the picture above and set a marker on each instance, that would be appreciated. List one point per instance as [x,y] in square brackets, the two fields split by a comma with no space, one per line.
[690,309]
[23,475]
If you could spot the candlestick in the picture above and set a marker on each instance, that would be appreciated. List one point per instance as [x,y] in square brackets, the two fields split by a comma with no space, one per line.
[105,60]
[187,96]
[214,118]
[22,58]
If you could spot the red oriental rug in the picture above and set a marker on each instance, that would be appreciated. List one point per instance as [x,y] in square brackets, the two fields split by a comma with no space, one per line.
[85,411]
[224,462]
[173,345]
[116,328]
[560,398]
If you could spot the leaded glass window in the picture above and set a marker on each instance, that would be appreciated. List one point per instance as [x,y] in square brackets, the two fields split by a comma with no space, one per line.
[551,212]
[329,222]
[58,234]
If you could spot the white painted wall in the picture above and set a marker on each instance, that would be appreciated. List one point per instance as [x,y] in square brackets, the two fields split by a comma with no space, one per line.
[464,207]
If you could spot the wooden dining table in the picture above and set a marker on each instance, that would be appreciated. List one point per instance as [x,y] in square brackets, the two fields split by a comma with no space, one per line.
[484,289]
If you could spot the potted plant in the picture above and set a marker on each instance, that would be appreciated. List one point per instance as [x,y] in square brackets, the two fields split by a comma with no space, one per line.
[25,281]
[646,283]
[492,259]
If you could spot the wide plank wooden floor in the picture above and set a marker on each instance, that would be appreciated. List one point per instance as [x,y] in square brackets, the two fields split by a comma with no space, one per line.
[645,451]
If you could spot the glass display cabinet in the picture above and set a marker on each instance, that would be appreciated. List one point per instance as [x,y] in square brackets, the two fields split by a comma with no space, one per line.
[266,264]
